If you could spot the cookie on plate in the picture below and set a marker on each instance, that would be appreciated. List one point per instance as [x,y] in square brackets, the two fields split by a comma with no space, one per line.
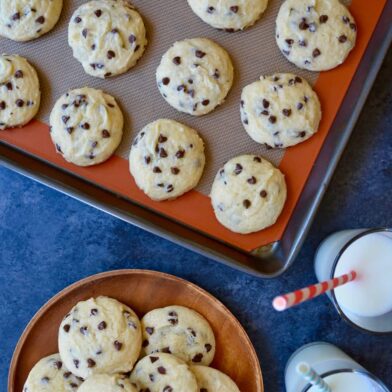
[100,335]
[280,110]
[213,380]
[163,372]
[107,383]
[229,15]
[167,159]
[24,20]
[248,194]
[50,374]
[20,93]
[315,35]
[107,36]
[179,331]
[86,126]
[195,76]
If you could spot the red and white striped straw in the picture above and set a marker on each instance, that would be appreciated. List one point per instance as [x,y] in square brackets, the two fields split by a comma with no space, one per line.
[286,301]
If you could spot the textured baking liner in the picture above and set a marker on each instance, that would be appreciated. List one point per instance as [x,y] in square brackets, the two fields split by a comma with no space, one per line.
[254,53]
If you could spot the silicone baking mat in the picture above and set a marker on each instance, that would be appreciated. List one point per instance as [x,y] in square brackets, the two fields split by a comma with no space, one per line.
[254,53]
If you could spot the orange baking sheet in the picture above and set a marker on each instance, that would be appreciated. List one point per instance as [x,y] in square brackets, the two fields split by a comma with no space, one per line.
[194,209]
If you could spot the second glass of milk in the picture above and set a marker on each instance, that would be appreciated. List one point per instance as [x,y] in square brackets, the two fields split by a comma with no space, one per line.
[366,302]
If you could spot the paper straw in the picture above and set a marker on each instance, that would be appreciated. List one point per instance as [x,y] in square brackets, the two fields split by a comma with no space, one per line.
[312,377]
[286,301]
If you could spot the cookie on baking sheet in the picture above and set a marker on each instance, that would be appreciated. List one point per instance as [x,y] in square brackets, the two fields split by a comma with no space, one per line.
[280,110]
[179,331]
[107,383]
[248,194]
[20,93]
[315,35]
[229,15]
[163,372]
[213,380]
[50,374]
[107,36]
[195,76]
[86,126]
[167,159]
[24,20]
[100,335]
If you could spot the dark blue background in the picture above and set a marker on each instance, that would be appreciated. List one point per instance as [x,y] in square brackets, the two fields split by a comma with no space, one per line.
[48,241]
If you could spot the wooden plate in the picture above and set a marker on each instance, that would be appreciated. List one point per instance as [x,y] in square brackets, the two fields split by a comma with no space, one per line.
[142,291]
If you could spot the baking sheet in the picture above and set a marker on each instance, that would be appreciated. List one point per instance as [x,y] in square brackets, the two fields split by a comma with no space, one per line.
[254,52]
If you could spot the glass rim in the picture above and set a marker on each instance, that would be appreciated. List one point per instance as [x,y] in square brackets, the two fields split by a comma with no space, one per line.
[338,308]
[362,372]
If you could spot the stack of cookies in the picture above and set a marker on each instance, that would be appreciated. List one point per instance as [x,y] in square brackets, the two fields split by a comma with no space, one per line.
[103,346]
[195,75]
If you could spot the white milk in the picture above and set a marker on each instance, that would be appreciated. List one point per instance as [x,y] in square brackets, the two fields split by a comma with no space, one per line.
[348,382]
[366,302]
[328,360]
[370,295]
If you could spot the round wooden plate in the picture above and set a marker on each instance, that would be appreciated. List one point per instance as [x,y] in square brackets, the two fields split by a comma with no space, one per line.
[142,291]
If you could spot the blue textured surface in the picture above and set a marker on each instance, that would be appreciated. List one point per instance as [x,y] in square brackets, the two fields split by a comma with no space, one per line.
[48,241]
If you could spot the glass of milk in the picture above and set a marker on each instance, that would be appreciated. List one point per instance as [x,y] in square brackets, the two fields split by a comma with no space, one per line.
[365,303]
[336,368]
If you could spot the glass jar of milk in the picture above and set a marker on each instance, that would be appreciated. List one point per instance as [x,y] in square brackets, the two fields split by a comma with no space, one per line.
[336,368]
[365,303]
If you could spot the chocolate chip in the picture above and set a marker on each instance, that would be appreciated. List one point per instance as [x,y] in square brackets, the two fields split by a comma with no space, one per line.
[93,312]
[161,370]
[110,54]
[166,350]
[45,380]
[263,194]
[286,112]
[90,363]
[83,330]
[168,388]
[40,20]
[98,13]
[175,170]
[77,19]
[266,104]
[150,330]
[257,159]
[114,31]
[177,60]
[65,119]
[162,153]
[85,126]
[132,39]
[238,169]
[154,359]
[3,105]
[165,81]
[303,25]
[252,180]
[316,52]
[300,105]
[302,134]
[19,74]
[20,103]
[272,119]
[303,43]
[145,343]
[210,9]
[147,160]
[117,345]
[342,39]
[323,18]
[265,113]
[180,154]
[58,364]
[246,203]
[197,358]
[234,8]
[289,42]
[15,16]
[84,33]
[67,375]
[345,19]
[353,26]
[216,74]
[208,347]
[156,169]
[200,54]
[102,325]
[173,318]
[298,79]
[151,377]
[76,363]
[206,102]
[105,134]
[66,328]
